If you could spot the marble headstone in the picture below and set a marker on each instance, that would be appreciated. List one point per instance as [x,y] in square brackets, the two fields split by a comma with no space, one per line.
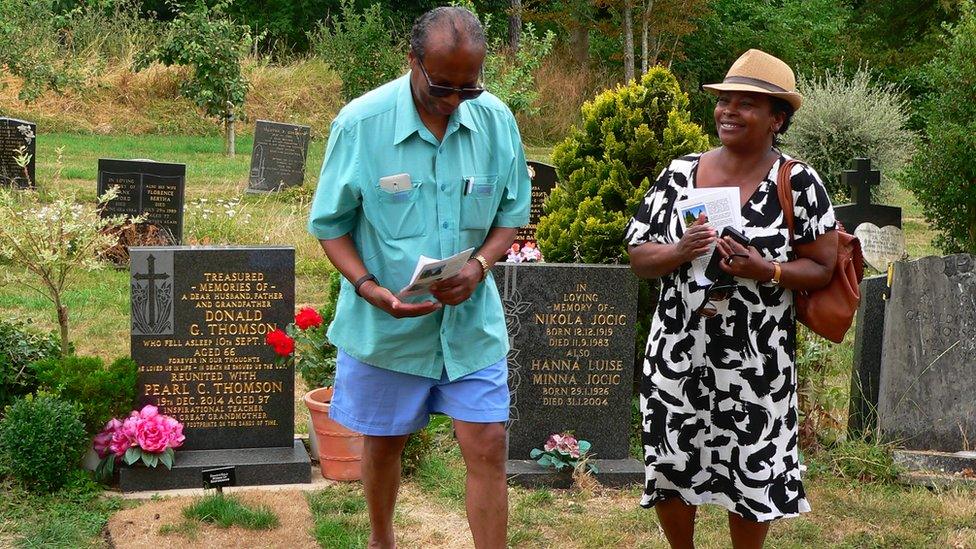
[571,330]
[868,342]
[17,137]
[278,156]
[155,189]
[543,182]
[880,246]
[199,320]
[929,355]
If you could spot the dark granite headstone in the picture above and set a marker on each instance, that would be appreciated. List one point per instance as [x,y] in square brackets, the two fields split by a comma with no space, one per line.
[543,182]
[868,341]
[571,330]
[861,179]
[145,187]
[278,156]
[199,319]
[925,400]
[15,134]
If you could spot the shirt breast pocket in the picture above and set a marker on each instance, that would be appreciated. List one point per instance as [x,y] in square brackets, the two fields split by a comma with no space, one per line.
[479,206]
[397,214]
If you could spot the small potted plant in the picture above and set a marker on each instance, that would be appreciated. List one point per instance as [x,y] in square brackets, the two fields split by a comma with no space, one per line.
[339,449]
[145,436]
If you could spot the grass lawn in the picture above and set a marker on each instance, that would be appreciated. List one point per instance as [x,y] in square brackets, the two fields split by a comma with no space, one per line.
[846,513]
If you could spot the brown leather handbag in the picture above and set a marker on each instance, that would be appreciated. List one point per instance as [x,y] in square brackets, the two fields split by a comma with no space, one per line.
[830,310]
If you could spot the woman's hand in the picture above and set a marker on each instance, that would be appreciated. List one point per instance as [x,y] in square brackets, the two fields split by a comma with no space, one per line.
[743,262]
[696,241]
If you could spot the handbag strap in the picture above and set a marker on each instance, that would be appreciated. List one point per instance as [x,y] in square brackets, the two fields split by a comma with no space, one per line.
[785,190]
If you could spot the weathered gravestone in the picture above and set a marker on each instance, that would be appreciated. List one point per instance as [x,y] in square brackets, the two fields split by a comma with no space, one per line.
[155,189]
[543,182]
[881,246]
[17,137]
[868,342]
[278,156]
[860,180]
[199,319]
[571,330]
[929,355]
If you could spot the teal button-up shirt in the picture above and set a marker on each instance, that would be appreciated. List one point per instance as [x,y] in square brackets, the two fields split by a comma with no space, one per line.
[380,134]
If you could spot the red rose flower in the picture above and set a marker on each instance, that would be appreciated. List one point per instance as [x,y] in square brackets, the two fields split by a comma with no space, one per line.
[308,318]
[283,345]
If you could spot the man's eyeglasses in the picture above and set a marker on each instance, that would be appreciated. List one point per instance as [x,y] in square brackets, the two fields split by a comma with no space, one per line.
[437,90]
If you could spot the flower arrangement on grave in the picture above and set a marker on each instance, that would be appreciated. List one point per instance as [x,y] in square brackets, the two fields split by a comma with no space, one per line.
[528,253]
[146,435]
[304,341]
[563,451]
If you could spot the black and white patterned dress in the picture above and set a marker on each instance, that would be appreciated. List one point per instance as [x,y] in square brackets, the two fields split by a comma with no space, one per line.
[718,395]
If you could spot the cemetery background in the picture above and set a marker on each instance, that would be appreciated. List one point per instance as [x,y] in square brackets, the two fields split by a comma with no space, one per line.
[121,116]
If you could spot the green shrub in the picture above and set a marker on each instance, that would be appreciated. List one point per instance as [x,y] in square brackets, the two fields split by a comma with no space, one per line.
[31,48]
[361,47]
[42,440]
[943,173]
[19,346]
[628,136]
[843,118]
[100,393]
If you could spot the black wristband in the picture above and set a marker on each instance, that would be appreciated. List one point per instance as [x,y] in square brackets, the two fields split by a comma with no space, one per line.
[363,280]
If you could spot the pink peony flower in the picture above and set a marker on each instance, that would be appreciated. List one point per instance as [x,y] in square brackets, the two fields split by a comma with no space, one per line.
[121,439]
[175,429]
[102,444]
[148,411]
[153,434]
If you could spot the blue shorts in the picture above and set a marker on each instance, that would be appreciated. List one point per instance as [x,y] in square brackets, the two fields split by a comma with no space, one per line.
[379,402]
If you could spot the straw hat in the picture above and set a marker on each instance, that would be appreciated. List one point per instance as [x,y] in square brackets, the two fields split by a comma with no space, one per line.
[757,71]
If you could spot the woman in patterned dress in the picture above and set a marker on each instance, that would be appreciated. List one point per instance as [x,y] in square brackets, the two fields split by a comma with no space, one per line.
[718,391]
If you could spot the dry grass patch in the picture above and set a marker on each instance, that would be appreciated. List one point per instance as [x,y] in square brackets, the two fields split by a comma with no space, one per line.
[161,524]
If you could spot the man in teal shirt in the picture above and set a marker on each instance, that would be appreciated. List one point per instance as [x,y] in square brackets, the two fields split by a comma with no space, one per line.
[424,165]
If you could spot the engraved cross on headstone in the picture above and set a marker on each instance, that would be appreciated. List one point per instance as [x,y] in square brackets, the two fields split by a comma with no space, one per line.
[860,180]
[152,276]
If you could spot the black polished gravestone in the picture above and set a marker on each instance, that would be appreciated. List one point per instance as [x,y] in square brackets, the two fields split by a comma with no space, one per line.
[278,156]
[571,329]
[925,399]
[860,180]
[155,189]
[199,320]
[543,182]
[17,138]
[862,416]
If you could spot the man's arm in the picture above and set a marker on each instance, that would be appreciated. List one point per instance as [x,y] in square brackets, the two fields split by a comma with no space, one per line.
[458,288]
[343,255]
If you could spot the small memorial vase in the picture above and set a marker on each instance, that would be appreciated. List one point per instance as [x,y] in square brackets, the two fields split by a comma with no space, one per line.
[340,449]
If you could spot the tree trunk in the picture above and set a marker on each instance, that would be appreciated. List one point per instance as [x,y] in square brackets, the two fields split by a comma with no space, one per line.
[645,30]
[628,31]
[63,324]
[579,44]
[229,130]
[515,25]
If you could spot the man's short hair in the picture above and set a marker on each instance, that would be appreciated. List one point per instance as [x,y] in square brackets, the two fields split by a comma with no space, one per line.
[463,24]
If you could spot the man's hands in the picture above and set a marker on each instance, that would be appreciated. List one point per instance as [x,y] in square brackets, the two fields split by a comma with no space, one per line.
[450,291]
[382,298]
[458,288]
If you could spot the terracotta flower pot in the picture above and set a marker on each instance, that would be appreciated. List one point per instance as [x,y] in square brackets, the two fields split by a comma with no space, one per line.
[340,449]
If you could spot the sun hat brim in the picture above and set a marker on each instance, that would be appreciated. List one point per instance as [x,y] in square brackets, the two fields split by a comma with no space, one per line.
[793,98]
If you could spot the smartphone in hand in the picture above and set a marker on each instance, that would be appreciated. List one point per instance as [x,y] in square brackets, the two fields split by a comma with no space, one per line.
[713,271]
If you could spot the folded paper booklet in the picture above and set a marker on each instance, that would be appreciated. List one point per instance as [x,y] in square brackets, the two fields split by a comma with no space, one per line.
[721,208]
[430,270]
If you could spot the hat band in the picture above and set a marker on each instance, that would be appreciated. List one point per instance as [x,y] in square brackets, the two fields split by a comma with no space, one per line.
[754,82]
